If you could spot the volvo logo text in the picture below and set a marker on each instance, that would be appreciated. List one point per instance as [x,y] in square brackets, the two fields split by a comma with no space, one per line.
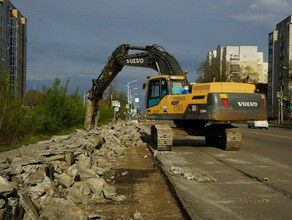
[135,60]
[247,104]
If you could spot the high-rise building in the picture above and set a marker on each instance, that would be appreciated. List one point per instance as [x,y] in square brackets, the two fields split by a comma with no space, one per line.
[13,46]
[280,71]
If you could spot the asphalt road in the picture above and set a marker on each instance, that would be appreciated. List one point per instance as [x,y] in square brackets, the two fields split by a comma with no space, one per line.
[253,183]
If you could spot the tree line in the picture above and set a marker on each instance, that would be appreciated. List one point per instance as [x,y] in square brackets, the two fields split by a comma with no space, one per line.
[214,71]
[43,114]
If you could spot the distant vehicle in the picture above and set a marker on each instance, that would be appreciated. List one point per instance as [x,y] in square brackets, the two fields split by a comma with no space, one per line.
[258,124]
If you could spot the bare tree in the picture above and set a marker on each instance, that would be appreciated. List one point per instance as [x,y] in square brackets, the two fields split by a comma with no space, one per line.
[209,70]
[248,75]
[215,71]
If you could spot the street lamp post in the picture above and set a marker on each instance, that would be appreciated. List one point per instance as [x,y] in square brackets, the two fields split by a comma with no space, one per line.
[281,110]
[280,98]
[129,94]
[280,117]
[131,102]
[133,98]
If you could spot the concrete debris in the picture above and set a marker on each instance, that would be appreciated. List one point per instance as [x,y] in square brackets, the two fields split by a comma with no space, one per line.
[65,210]
[5,187]
[265,179]
[96,185]
[119,198]
[197,174]
[177,170]
[109,191]
[138,216]
[64,180]
[28,206]
[66,170]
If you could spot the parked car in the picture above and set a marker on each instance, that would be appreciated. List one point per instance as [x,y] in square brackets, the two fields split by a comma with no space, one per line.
[258,124]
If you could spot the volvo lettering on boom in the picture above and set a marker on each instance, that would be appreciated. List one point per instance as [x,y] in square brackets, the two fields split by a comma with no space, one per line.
[136,60]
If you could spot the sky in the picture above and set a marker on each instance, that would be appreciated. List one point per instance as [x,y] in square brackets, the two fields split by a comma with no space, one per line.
[72,39]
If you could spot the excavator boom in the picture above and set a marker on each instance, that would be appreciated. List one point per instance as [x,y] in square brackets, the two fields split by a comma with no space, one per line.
[151,56]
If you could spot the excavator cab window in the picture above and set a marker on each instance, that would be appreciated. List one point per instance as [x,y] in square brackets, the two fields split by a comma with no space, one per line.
[157,90]
[177,87]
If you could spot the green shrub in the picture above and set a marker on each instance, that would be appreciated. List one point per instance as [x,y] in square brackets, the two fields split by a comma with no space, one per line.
[106,113]
[11,113]
[58,111]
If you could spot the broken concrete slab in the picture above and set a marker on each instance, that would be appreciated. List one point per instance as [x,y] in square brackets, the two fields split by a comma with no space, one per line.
[64,180]
[96,184]
[66,170]
[5,187]
[65,209]
[28,206]
[35,178]
[75,195]
[82,187]
[109,191]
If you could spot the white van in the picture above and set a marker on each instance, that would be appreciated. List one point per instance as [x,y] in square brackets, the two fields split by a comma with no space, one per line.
[258,124]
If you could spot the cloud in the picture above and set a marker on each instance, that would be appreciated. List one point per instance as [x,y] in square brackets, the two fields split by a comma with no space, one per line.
[271,5]
[50,59]
[67,50]
[265,11]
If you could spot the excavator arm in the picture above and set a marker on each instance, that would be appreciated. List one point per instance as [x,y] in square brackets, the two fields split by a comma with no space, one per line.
[150,56]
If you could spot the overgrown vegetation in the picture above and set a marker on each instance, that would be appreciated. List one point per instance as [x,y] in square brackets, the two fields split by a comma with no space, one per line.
[210,73]
[58,111]
[12,115]
[40,115]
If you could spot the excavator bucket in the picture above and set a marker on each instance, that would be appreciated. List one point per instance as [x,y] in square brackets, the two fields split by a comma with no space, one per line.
[91,116]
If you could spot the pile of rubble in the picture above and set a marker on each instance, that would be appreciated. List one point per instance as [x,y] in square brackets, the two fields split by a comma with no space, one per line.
[62,177]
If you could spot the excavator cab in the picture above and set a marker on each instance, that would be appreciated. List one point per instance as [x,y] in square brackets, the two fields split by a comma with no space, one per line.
[159,87]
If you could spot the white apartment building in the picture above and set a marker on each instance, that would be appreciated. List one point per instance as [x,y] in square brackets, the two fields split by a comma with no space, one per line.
[235,60]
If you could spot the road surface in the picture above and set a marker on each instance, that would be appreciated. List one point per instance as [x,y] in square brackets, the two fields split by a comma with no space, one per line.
[253,183]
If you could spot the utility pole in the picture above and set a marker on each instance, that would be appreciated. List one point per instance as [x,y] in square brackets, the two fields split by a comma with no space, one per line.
[281,113]
[281,104]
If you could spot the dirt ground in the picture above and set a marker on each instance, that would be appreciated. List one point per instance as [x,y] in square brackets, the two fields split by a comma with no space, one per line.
[138,177]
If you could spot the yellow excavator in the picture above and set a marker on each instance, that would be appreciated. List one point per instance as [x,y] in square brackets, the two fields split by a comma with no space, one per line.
[196,109]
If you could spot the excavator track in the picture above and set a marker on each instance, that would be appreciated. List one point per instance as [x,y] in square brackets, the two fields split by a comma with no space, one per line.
[224,136]
[162,137]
